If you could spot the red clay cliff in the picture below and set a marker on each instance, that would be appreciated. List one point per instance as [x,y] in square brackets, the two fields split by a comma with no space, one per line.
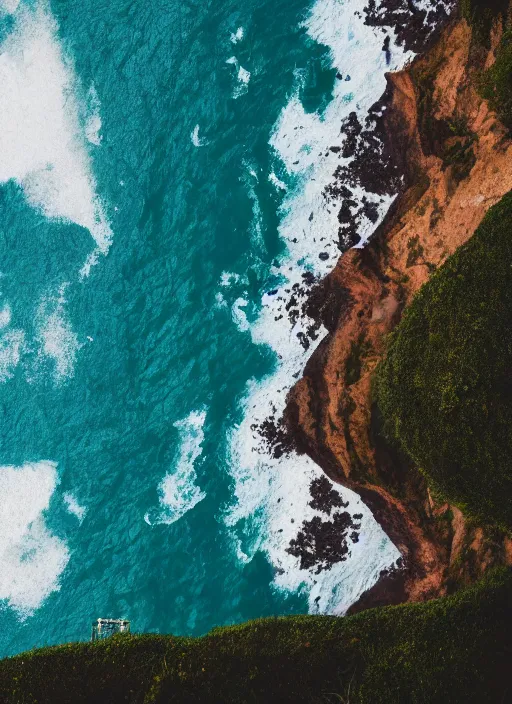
[433,112]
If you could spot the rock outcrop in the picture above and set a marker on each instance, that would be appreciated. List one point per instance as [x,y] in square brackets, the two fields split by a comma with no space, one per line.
[456,161]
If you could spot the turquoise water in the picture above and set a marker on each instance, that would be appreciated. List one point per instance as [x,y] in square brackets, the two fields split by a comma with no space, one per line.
[124,381]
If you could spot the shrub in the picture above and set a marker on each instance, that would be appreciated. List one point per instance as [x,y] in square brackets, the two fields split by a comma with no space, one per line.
[447,651]
[495,84]
[444,388]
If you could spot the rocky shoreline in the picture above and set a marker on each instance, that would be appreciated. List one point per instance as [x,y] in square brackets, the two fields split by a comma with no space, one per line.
[429,111]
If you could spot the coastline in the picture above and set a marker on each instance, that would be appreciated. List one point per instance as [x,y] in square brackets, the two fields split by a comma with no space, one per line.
[440,204]
[343,178]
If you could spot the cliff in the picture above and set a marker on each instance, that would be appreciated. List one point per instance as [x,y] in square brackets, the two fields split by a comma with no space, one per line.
[408,653]
[455,158]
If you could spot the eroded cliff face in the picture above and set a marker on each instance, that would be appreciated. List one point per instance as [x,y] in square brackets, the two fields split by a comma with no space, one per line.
[456,158]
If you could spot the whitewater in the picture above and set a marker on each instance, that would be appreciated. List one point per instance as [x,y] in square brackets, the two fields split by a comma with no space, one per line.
[277,490]
[162,176]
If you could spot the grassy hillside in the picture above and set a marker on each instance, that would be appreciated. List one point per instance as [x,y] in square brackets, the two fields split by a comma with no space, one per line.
[445,386]
[455,649]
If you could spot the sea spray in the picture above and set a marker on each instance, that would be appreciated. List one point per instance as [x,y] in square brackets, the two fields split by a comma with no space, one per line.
[41,141]
[178,490]
[155,327]
[273,495]
[31,557]
[57,342]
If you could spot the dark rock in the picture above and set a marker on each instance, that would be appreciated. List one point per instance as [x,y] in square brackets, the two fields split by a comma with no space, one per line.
[325,497]
[351,128]
[414,27]
[385,49]
[322,544]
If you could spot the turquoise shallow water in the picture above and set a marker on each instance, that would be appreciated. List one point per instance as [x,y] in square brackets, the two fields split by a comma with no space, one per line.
[97,370]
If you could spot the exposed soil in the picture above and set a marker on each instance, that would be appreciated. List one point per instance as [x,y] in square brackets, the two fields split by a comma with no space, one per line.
[452,160]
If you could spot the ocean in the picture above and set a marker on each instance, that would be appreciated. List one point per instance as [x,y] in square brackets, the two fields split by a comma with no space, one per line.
[162,176]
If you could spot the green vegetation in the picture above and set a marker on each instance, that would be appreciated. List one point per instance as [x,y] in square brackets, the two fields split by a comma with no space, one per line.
[450,650]
[415,251]
[432,131]
[451,140]
[495,84]
[480,15]
[445,386]
[458,151]
[353,366]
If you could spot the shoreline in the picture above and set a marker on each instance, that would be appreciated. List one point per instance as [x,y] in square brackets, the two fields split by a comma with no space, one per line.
[330,413]
[340,201]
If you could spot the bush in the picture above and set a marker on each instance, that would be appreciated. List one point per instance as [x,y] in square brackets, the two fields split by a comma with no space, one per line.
[480,15]
[495,84]
[449,651]
[444,388]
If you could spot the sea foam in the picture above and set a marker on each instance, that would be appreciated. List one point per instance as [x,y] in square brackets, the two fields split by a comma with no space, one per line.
[9,7]
[5,316]
[195,139]
[57,340]
[12,342]
[93,120]
[74,507]
[237,36]
[31,557]
[42,143]
[272,496]
[243,77]
[178,491]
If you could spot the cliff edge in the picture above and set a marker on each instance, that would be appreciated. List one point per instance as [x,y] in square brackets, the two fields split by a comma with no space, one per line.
[455,157]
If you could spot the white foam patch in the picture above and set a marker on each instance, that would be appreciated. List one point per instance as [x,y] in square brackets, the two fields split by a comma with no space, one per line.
[430,4]
[196,140]
[280,185]
[237,36]
[41,141]
[271,497]
[93,120]
[272,501]
[57,340]
[9,7]
[178,491]
[228,278]
[239,315]
[258,246]
[243,77]
[302,140]
[74,507]
[12,343]
[31,557]
[220,301]
[5,316]
[11,346]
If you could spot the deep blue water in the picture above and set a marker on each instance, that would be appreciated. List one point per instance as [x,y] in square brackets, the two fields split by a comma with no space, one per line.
[97,370]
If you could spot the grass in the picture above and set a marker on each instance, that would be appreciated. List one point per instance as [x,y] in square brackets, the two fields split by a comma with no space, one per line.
[455,649]
[445,387]
[353,367]
[480,15]
[495,84]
